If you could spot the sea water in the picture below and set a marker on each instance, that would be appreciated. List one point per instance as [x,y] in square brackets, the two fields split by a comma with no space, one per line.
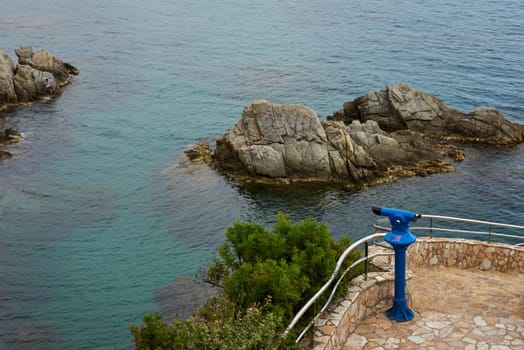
[97,213]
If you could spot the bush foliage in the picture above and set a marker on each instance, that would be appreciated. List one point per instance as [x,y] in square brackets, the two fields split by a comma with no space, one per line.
[279,269]
[250,329]
[289,264]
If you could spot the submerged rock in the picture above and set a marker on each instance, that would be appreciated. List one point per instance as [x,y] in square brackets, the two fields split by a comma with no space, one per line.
[395,132]
[5,155]
[8,136]
[183,298]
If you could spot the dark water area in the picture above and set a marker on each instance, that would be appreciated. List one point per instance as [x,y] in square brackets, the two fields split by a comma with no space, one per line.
[99,218]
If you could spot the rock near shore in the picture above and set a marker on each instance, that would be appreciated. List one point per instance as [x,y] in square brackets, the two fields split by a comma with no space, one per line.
[373,139]
[36,75]
[400,107]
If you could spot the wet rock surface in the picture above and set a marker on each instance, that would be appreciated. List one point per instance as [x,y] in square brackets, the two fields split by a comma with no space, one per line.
[8,136]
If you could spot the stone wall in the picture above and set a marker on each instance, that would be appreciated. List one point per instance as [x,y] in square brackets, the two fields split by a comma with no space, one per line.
[365,296]
[465,254]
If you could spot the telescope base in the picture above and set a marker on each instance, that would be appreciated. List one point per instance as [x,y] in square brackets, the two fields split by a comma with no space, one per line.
[400,313]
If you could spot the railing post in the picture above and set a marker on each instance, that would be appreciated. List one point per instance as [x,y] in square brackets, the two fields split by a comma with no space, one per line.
[312,340]
[366,266]
[430,227]
[489,233]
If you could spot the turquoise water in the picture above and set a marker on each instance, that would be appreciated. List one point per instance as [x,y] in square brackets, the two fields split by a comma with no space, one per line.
[96,214]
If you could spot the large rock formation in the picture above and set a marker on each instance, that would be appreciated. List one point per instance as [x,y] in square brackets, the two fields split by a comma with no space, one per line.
[376,137]
[400,107]
[276,141]
[7,73]
[44,61]
[289,143]
[37,74]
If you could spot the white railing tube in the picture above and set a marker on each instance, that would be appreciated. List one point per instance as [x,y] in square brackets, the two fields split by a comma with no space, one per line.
[340,261]
[471,221]
[301,335]
[432,228]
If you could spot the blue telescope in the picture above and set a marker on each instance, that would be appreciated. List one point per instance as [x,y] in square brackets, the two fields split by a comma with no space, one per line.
[400,237]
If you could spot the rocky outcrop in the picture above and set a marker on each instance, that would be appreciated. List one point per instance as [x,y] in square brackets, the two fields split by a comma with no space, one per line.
[44,61]
[400,107]
[275,141]
[8,136]
[30,84]
[289,143]
[7,73]
[36,75]
[395,132]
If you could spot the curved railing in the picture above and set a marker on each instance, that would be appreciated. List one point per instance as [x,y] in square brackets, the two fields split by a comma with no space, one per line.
[356,245]
[380,226]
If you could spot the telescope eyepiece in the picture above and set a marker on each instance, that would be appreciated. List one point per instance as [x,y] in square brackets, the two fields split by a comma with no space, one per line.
[377,210]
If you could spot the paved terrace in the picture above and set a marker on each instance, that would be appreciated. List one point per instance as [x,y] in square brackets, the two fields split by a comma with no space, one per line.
[454,309]
[466,295]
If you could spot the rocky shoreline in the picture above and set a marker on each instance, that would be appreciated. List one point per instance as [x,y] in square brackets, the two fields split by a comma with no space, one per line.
[37,75]
[375,138]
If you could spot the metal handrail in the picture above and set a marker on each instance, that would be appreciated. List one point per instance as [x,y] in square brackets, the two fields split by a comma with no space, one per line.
[378,225]
[326,304]
[380,233]
[321,291]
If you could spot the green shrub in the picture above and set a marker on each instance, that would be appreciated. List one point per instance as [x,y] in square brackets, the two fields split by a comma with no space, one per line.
[252,283]
[288,264]
[280,269]
[251,329]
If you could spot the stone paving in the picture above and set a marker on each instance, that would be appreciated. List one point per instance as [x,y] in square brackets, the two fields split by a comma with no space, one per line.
[454,309]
